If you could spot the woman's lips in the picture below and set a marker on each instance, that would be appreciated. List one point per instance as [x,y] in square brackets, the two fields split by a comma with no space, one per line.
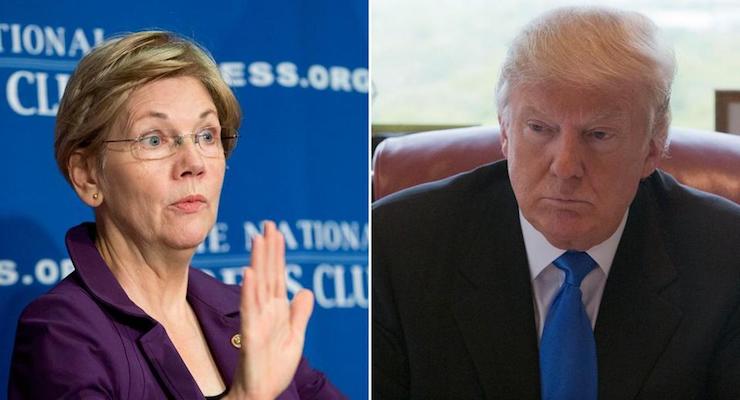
[190,204]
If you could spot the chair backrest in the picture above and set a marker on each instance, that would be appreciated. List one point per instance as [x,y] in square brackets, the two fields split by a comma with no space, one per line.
[709,161]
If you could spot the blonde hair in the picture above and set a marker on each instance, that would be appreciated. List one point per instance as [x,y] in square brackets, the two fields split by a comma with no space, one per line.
[593,47]
[98,90]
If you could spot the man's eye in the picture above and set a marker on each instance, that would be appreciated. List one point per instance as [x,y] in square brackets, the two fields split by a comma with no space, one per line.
[536,127]
[600,135]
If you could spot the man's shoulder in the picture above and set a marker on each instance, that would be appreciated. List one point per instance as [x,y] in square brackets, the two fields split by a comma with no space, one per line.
[694,221]
[480,184]
[431,227]
[686,205]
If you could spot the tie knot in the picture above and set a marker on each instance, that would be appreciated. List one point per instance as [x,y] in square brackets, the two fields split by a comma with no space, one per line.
[576,265]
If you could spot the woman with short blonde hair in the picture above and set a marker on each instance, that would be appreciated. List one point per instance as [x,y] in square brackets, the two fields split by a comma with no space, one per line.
[143,133]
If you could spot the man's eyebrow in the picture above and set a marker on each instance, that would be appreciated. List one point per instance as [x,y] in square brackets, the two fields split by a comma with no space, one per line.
[532,110]
[617,113]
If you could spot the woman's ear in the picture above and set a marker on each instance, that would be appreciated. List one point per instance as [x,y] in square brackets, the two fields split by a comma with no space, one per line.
[84,177]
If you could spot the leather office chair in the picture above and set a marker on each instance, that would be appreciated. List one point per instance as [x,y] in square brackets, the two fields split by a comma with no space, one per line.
[705,160]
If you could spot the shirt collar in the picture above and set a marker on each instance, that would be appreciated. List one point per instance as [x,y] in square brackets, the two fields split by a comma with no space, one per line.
[540,253]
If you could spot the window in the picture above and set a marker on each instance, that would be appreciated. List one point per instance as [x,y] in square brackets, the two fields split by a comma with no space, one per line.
[437,62]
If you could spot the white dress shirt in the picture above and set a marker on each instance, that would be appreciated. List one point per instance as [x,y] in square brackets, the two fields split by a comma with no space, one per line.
[547,278]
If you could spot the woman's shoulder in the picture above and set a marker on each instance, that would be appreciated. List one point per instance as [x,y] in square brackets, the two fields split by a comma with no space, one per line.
[67,299]
[66,339]
[67,313]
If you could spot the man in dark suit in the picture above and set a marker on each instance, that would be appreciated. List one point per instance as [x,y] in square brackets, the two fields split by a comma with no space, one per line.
[573,269]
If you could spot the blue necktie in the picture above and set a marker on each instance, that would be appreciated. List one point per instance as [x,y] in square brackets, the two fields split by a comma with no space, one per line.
[567,348]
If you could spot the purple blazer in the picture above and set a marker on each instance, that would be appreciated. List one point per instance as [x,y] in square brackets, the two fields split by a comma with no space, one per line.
[87,339]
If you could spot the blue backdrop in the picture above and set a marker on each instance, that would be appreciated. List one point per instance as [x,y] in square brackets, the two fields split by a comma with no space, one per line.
[299,69]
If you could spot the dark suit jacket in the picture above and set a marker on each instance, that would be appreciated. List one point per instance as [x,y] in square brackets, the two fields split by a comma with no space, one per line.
[87,339]
[453,315]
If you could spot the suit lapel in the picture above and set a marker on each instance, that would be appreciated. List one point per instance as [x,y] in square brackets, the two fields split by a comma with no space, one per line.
[219,331]
[156,346]
[168,365]
[217,308]
[494,310]
[636,317]
[493,302]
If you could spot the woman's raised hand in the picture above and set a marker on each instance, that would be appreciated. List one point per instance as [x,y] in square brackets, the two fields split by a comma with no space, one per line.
[272,329]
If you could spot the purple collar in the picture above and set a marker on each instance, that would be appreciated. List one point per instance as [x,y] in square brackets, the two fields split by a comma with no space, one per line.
[98,278]
[215,304]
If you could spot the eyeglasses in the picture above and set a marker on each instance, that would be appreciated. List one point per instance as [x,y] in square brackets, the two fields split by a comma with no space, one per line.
[211,141]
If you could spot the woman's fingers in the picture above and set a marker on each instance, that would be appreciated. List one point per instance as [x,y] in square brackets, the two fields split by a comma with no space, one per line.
[300,311]
[273,331]
[268,263]
[277,259]
[272,262]
[280,290]
[249,295]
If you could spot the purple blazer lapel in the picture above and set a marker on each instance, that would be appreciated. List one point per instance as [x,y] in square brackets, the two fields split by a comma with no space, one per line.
[168,365]
[217,308]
